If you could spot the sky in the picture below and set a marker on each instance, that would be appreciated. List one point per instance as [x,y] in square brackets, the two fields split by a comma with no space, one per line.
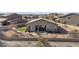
[39,6]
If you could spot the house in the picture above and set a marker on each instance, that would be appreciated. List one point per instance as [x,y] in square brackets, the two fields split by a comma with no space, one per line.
[13,19]
[71,18]
[2,20]
[5,15]
[14,16]
[42,25]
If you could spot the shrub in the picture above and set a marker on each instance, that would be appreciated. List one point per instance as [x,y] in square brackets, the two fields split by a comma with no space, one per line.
[22,29]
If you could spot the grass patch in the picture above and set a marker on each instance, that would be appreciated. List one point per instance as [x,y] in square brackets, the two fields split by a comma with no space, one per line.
[22,29]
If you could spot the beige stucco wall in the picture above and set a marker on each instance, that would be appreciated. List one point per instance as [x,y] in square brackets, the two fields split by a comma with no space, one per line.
[49,26]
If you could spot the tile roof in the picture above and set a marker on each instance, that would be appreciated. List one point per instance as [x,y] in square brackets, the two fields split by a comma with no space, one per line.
[34,20]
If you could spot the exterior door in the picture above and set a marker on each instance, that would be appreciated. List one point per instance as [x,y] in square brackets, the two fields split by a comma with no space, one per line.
[36,28]
[40,28]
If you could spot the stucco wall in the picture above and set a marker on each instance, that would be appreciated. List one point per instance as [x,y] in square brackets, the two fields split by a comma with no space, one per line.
[49,26]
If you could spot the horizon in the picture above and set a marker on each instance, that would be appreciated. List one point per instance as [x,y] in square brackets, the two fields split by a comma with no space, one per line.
[35,12]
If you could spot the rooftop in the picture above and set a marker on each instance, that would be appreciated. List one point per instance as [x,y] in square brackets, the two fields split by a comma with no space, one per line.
[34,20]
[69,14]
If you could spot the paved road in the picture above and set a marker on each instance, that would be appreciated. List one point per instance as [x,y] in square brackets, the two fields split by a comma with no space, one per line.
[35,44]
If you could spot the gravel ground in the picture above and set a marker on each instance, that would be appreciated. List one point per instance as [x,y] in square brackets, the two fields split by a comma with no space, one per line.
[35,44]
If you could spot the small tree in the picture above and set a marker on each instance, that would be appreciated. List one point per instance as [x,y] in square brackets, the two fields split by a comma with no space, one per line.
[43,42]
[51,17]
[77,25]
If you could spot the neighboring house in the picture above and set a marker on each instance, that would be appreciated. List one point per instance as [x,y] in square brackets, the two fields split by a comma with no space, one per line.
[5,15]
[72,18]
[2,20]
[42,25]
[13,19]
[14,16]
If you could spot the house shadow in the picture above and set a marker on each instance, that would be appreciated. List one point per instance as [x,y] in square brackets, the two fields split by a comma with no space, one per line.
[61,30]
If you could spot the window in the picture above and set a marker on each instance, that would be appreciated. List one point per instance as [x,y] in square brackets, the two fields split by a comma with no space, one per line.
[69,17]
